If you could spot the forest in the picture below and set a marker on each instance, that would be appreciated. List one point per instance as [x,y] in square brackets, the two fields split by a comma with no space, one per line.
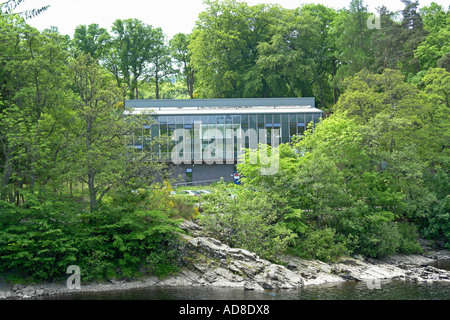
[371,179]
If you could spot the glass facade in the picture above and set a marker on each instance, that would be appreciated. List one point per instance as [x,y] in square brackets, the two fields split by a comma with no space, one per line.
[220,136]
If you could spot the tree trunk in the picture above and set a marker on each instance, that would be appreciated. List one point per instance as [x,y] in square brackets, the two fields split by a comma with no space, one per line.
[190,83]
[93,204]
[157,86]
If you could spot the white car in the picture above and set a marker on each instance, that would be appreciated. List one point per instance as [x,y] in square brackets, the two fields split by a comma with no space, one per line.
[190,192]
[202,192]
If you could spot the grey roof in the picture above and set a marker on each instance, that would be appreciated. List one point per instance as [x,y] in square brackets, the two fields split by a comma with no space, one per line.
[202,103]
[222,106]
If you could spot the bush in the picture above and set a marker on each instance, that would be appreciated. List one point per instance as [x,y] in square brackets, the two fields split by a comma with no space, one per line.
[409,238]
[40,240]
[37,241]
[247,220]
[118,242]
[379,239]
[184,206]
[319,244]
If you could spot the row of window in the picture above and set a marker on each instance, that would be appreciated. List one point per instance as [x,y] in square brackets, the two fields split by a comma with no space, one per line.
[238,119]
[287,126]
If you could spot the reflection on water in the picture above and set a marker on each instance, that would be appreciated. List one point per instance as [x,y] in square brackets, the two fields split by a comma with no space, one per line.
[388,290]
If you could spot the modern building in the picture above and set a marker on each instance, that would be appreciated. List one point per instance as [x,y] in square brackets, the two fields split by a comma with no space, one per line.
[206,138]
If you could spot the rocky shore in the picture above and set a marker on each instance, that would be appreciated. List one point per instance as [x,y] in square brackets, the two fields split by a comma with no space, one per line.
[208,262]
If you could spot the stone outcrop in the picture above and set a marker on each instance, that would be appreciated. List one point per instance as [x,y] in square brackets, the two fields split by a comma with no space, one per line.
[219,265]
[212,263]
[415,268]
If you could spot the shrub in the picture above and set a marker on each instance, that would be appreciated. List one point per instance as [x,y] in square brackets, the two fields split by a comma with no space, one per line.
[37,241]
[40,240]
[246,220]
[319,244]
[184,206]
[409,238]
[124,240]
[379,239]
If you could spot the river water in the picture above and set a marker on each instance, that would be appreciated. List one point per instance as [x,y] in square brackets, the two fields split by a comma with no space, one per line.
[383,290]
[387,290]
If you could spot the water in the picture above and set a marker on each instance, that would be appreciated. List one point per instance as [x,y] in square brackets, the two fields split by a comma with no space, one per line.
[387,290]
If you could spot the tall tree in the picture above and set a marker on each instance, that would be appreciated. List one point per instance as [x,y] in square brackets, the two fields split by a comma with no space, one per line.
[160,66]
[436,45]
[91,40]
[132,48]
[179,46]
[33,98]
[386,41]
[100,141]
[287,62]
[352,40]
[413,34]
[224,47]
[324,55]
[97,141]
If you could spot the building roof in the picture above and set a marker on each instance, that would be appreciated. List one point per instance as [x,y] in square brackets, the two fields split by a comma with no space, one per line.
[223,106]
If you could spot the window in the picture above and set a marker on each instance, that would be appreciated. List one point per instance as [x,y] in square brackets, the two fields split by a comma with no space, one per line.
[269,126]
[163,125]
[292,126]
[269,120]
[285,128]
[237,120]
[179,120]
[276,118]
[308,119]
[252,122]
[163,120]
[244,122]
[316,117]
[301,124]
[261,126]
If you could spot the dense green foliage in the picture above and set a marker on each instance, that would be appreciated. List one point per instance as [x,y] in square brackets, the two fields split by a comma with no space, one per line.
[247,219]
[64,162]
[127,237]
[363,178]
[238,50]
[373,176]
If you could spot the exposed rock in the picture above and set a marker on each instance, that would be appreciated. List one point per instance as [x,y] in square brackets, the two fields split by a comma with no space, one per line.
[190,227]
[404,267]
[216,264]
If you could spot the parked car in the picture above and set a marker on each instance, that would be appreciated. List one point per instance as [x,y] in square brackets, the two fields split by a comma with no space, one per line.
[203,192]
[190,192]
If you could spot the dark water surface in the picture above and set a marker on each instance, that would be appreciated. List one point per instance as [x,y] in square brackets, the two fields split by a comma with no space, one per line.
[385,290]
